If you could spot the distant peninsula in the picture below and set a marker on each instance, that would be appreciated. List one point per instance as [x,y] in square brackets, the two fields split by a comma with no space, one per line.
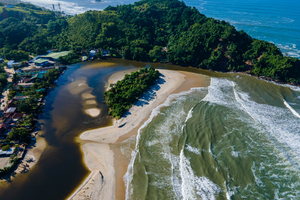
[149,30]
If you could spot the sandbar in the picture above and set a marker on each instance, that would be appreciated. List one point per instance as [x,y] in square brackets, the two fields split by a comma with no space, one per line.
[98,150]
[94,112]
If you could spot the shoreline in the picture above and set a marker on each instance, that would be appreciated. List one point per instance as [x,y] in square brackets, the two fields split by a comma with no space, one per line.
[101,155]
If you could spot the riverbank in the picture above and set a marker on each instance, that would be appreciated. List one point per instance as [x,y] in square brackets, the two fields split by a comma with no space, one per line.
[17,119]
[106,181]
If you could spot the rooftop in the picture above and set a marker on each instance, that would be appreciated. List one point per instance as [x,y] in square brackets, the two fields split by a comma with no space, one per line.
[39,76]
[41,60]
[11,110]
[17,115]
[56,55]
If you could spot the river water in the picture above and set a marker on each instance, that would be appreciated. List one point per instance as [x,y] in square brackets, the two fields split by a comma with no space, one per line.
[61,168]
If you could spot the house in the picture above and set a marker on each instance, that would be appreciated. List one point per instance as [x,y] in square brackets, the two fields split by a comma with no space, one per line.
[18,98]
[17,116]
[54,56]
[44,69]
[26,80]
[25,85]
[92,53]
[41,62]
[10,63]
[37,76]
[10,110]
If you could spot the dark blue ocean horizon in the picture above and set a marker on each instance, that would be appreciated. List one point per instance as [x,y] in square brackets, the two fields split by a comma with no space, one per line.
[274,21]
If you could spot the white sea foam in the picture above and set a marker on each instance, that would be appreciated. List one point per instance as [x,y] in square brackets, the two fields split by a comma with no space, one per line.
[290,49]
[291,109]
[217,92]
[190,115]
[67,7]
[279,126]
[194,187]
[126,146]
[128,177]
[235,154]
[192,149]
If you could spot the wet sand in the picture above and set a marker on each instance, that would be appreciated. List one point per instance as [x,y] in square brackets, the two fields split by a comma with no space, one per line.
[101,154]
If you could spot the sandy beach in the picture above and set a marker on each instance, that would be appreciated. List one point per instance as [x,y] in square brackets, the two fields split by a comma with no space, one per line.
[99,153]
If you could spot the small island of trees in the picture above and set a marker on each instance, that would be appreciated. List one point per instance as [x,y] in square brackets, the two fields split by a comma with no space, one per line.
[124,93]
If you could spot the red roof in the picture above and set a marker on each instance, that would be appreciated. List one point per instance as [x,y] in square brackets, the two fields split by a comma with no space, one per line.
[3,125]
[17,115]
[25,80]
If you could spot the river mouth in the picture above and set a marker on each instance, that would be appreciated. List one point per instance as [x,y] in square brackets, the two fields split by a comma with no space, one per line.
[73,106]
[61,169]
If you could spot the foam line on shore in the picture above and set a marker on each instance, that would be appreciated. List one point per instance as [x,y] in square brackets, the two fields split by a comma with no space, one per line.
[102,137]
[129,174]
[291,109]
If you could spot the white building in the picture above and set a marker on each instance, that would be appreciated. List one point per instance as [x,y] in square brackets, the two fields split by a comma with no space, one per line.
[92,53]
[10,63]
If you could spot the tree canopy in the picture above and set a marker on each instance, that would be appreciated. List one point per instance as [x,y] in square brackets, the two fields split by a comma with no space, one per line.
[125,92]
[148,30]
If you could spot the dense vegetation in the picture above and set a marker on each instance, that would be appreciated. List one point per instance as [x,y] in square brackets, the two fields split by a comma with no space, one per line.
[3,78]
[151,30]
[125,92]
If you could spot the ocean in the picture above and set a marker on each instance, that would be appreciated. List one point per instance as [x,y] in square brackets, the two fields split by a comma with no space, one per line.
[275,21]
[236,139]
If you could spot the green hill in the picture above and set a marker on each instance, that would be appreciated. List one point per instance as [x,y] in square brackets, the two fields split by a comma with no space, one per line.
[164,31]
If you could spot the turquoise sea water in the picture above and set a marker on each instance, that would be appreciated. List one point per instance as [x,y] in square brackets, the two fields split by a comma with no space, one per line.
[275,21]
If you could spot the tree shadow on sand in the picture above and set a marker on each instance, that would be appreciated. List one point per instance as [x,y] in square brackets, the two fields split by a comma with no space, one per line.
[147,96]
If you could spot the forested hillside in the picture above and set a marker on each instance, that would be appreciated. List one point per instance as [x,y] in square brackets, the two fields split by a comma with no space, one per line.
[158,31]
[19,24]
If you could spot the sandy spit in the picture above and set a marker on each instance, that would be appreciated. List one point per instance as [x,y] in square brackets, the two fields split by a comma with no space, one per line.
[98,156]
